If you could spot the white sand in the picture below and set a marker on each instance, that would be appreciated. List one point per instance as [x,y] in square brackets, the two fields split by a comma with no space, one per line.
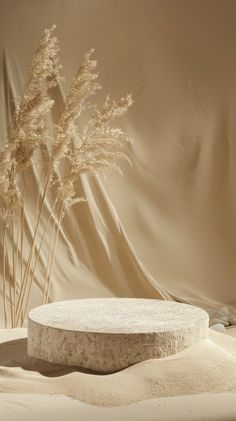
[210,407]
[207,367]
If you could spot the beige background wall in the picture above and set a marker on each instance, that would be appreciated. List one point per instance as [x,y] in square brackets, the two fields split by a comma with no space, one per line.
[169,226]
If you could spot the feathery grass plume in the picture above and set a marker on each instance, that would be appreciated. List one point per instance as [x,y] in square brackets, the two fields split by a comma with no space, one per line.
[30,126]
[9,203]
[5,169]
[100,139]
[83,86]
[31,129]
[98,149]
[10,196]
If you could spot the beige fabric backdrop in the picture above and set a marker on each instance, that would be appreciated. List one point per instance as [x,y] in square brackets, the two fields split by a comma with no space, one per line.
[168,227]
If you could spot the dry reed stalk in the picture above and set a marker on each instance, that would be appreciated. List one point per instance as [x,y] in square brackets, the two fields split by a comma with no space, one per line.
[37,207]
[17,251]
[49,279]
[36,259]
[9,282]
[30,129]
[4,276]
[11,305]
[95,150]
[50,253]
[13,268]
[23,291]
[22,231]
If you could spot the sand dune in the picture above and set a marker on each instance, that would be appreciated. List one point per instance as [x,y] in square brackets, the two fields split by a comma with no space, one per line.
[207,367]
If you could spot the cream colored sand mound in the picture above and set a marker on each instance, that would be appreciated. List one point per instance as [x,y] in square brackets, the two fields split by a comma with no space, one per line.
[209,366]
[208,407]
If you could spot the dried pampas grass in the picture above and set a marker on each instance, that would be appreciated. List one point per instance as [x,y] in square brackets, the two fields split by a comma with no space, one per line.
[70,152]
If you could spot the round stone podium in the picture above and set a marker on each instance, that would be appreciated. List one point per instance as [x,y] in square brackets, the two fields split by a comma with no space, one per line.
[108,334]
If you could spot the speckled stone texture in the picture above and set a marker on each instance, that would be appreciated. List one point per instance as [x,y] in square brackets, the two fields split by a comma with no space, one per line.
[108,334]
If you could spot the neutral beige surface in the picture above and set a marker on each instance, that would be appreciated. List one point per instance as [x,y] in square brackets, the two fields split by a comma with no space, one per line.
[204,407]
[169,225]
[119,315]
[109,334]
[34,389]
[208,367]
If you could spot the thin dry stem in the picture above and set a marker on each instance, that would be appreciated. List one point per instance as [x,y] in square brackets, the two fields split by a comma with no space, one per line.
[22,219]
[49,280]
[4,276]
[37,257]
[9,283]
[50,254]
[23,290]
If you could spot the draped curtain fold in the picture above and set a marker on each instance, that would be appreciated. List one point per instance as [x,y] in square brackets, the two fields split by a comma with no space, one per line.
[167,229]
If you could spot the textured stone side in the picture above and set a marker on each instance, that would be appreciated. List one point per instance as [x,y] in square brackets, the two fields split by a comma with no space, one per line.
[107,352]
